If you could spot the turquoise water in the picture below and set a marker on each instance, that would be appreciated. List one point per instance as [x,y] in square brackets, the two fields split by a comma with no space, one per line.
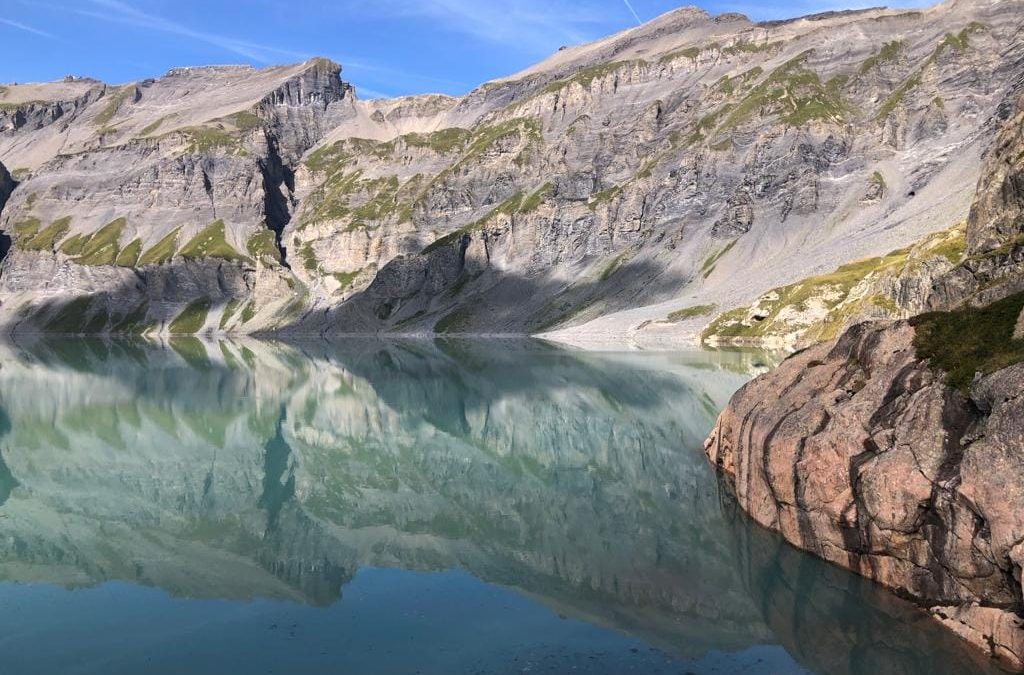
[402,507]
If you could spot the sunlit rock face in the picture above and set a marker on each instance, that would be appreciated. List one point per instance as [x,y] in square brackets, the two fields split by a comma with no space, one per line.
[695,160]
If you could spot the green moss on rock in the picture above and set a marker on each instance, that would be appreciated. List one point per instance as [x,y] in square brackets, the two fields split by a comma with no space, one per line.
[969,341]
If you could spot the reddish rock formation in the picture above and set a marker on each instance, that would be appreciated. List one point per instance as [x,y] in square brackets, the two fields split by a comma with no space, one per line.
[857,450]
[859,453]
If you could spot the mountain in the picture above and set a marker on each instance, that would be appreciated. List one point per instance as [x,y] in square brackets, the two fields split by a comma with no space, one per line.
[635,186]
[896,450]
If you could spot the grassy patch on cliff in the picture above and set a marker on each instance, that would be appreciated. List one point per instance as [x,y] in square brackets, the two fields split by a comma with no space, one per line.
[129,255]
[520,203]
[818,307]
[772,314]
[586,76]
[26,229]
[795,93]
[204,140]
[116,100]
[45,239]
[708,266]
[442,141]
[689,313]
[102,246]
[211,242]
[162,251]
[263,245]
[968,341]
[192,318]
[889,52]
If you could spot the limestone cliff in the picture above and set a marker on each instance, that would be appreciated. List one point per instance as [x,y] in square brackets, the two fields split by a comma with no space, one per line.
[694,161]
[897,450]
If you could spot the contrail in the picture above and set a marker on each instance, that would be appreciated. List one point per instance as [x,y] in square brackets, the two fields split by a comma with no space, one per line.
[633,11]
[25,27]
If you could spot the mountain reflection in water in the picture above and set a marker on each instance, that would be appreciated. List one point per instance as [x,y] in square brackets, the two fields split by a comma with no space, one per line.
[417,506]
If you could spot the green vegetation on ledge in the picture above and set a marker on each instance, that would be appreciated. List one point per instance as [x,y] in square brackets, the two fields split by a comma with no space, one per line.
[129,255]
[818,307]
[48,236]
[192,318]
[967,341]
[263,246]
[586,76]
[889,52]
[520,203]
[443,141]
[162,251]
[211,242]
[689,313]
[117,99]
[102,247]
[793,92]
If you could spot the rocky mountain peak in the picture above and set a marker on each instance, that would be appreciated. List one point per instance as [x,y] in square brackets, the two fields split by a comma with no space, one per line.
[615,186]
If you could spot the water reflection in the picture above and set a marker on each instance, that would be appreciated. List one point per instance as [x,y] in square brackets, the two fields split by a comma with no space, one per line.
[232,471]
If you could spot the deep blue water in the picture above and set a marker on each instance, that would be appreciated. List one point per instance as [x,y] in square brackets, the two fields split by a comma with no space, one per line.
[402,507]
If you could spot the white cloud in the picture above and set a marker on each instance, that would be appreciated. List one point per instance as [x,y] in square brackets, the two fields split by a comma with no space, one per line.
[26,28]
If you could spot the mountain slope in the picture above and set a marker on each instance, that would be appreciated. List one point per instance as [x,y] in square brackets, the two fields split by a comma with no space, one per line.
[691,161]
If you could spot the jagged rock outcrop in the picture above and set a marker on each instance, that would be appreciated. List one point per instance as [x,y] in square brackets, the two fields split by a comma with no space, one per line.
[868,453]
[694,160]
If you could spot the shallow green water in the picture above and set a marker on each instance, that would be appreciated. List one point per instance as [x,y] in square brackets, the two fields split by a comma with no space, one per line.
[414,507]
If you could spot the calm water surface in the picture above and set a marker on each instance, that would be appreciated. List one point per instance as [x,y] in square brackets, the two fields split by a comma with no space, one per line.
[409,507]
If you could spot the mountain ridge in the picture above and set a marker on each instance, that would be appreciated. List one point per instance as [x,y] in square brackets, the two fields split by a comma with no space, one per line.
[585,195]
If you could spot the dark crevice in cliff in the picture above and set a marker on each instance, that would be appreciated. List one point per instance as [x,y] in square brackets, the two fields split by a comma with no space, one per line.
[278,187]
[7,185]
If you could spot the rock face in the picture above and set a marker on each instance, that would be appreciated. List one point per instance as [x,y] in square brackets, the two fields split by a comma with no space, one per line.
[679,163]
[860,452]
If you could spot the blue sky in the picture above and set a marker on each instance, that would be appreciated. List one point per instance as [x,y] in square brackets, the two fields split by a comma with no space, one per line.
[387,47]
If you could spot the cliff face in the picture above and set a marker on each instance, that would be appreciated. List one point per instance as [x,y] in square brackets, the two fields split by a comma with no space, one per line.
[897,450]
[681,163]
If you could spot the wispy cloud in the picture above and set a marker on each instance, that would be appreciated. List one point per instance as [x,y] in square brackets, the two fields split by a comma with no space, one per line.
[629,5]
[116,11]
[26,28]
[536,26]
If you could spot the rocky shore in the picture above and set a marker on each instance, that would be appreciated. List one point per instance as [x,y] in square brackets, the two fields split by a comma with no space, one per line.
[897,450]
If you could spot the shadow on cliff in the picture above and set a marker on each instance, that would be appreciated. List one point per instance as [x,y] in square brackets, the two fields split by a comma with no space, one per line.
[441,290]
